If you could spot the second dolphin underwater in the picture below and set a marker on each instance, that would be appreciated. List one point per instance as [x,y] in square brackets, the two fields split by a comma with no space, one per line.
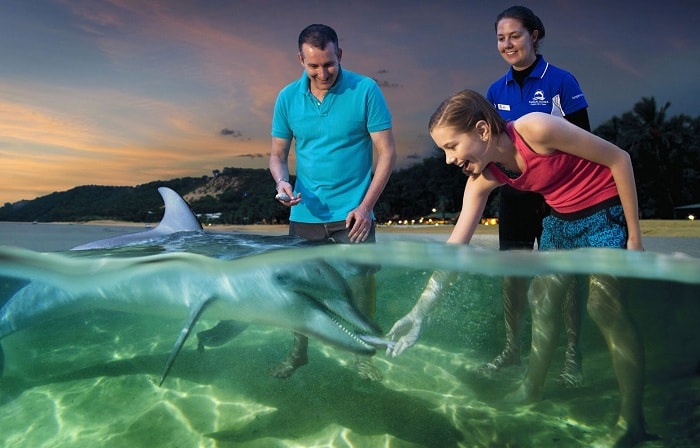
[310,297]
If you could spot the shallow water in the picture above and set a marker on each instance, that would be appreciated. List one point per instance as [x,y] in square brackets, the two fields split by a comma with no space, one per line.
[90,379]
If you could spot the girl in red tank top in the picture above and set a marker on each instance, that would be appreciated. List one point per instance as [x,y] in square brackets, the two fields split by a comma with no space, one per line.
[590,184]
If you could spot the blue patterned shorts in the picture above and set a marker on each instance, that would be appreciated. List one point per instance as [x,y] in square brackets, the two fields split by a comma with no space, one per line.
[603,225]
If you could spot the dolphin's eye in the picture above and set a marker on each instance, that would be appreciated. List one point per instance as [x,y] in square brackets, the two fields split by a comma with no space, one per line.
[283,278]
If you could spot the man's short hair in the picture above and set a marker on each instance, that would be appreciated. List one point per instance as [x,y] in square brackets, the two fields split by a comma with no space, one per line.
[318,36]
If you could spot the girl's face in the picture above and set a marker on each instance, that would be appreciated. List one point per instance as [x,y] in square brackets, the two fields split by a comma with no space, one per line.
[515,43]
[464,149]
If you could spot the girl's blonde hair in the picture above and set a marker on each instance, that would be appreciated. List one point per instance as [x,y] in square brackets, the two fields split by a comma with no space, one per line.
[463,110]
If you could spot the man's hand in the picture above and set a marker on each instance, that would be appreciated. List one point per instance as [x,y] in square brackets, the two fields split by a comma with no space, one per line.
[360,223]
[284,188]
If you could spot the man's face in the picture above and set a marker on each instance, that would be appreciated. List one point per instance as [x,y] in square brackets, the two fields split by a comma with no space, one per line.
[322,66]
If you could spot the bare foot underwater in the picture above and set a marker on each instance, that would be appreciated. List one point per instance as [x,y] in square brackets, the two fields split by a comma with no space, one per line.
[508,357]
[366,370]
[624,435]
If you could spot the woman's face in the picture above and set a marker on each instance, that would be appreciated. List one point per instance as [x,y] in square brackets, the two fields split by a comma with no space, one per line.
[515,43]
[464,149]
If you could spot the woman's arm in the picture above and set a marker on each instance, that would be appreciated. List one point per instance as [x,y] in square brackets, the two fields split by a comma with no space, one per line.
[580,119]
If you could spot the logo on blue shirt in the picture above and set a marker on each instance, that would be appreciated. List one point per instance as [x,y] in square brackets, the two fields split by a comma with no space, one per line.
[538,99]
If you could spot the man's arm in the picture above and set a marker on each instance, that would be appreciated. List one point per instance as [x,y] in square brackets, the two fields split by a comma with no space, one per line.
[361,217]
[386,158]
[279,168]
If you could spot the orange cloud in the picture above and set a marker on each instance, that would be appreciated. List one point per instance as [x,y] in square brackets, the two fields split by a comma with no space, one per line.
[55,139]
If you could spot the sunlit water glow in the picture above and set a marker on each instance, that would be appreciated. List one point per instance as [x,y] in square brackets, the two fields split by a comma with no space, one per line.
[91,379]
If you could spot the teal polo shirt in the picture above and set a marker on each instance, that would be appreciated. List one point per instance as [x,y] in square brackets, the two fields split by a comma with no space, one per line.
[332,144]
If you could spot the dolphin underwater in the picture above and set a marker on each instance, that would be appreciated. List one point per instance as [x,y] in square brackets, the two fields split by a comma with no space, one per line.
[178,217]
[309,297]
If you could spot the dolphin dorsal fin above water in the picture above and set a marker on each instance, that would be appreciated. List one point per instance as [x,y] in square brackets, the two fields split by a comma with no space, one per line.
[178,217]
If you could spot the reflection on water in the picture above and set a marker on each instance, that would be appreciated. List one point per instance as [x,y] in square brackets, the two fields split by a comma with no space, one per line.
[90,379]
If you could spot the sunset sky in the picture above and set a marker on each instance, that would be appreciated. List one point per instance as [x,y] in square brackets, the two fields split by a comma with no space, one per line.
[124,92]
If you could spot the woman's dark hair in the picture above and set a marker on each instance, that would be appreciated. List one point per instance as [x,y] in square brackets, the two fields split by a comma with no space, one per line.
[528,18]
[318,36]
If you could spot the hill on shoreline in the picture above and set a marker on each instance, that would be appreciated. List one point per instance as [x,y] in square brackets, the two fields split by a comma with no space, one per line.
[236,193]
[238,196]
[244,196]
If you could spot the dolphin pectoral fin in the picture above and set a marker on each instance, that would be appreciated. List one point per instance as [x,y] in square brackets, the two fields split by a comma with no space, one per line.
[186,329]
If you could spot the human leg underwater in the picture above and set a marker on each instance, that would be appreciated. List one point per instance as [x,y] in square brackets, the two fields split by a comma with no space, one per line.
[520,227]
[606,308]
[572,374]
[602,227]
[514,300]
[546,295]
[365,298]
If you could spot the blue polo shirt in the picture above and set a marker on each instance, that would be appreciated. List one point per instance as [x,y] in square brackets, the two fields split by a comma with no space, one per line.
[332,143]
[547,89]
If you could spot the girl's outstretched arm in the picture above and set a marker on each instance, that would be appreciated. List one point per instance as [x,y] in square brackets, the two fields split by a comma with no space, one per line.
[407,330]
[476,194]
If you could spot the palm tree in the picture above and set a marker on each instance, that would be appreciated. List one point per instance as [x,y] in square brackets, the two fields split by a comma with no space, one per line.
[658,148]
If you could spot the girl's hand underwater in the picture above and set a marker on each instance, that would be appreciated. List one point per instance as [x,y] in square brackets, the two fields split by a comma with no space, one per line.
[405,332]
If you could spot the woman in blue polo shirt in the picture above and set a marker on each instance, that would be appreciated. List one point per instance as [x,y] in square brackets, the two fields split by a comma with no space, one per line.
[531,85]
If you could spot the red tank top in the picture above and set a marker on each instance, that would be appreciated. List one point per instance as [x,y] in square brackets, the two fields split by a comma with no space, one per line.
[568,183]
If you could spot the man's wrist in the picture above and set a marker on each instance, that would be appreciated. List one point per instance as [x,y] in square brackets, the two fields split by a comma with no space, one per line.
[280,180]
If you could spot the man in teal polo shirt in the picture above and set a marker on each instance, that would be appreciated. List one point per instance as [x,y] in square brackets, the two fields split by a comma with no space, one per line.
[336,118]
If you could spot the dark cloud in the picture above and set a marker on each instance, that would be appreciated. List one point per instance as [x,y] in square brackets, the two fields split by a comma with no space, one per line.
[387,84]
[231,133]
[383,82]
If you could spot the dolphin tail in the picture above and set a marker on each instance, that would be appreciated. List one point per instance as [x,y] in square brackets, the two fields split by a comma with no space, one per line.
[189,324]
